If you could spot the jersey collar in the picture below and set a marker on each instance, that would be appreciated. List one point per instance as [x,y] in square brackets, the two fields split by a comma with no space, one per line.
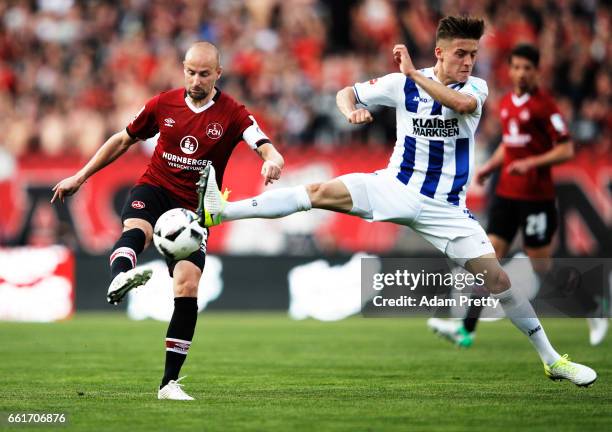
[520,100]
[203,108]
[431,74]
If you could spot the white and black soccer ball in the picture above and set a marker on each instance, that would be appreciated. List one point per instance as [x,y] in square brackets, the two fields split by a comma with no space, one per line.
[177,234]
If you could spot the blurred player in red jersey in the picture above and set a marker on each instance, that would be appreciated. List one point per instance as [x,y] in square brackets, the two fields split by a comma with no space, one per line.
[197,125]
[535,138]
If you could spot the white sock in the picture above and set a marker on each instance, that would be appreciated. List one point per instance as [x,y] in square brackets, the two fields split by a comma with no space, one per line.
[272,204]
[522,315]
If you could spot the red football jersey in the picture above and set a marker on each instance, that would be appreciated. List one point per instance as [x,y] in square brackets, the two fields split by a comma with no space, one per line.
[189,139]
[531,124]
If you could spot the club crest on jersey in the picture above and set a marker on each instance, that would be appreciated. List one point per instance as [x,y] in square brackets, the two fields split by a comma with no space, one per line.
[524,115]
[169,122]
[214,131]
[189,144]
[373,81]
[138,205]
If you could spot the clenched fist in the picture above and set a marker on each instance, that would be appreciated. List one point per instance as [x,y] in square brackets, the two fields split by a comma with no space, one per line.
[360,116]
[270,172]
[402,58]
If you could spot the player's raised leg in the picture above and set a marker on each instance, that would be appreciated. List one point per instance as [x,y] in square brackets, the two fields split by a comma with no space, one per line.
[330,195]
[522,315]
[186,277]
[137,234]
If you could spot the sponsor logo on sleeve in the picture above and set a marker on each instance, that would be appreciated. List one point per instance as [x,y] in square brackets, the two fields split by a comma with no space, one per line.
[558,123]
[138,205]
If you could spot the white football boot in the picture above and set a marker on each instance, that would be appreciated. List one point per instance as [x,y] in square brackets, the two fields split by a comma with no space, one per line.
[173,391]
[213,200]
[125,282]
[598,328]
[581,375]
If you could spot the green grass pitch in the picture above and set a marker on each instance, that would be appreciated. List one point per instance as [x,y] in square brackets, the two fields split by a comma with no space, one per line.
[264,372]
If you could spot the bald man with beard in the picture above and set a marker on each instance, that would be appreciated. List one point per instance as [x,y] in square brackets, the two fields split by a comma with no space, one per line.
[198,125]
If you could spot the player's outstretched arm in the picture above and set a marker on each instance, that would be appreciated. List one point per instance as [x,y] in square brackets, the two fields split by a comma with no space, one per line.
[273,163]
[114,147]
[458,102]
[346,101]
[561,152]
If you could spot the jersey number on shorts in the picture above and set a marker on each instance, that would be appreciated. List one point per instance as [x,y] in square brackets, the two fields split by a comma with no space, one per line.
[536,225]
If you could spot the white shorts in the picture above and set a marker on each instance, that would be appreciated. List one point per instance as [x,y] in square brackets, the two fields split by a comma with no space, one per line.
[381,197]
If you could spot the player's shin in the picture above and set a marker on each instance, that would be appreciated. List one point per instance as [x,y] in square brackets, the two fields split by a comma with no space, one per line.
[271,204]
[179,336]
[130,244]
[473,313]
[521,313]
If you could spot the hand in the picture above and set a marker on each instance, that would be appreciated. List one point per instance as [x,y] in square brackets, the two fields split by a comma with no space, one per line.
[66,187]
[270,172]
[360,116]
[402,58]
[519,167]
[482,175]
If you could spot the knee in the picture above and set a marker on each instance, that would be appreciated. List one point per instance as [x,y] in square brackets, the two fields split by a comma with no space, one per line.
[541,266]
[326,195]
[186,279]
[185,288]
[316,192]
[499,282]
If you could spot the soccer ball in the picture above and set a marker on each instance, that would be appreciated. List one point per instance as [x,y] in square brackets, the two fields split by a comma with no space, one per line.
[177,234]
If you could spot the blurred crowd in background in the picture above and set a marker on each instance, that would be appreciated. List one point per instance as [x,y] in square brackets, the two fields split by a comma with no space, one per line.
[74,72]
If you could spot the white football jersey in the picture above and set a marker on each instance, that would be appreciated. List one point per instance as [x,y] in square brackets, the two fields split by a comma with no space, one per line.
[434,150]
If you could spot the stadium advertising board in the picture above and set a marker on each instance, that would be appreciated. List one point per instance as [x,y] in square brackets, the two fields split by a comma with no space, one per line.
[90,221]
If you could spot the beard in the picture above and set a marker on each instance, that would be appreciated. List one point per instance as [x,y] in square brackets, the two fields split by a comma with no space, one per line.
[525,86]
[197,95]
